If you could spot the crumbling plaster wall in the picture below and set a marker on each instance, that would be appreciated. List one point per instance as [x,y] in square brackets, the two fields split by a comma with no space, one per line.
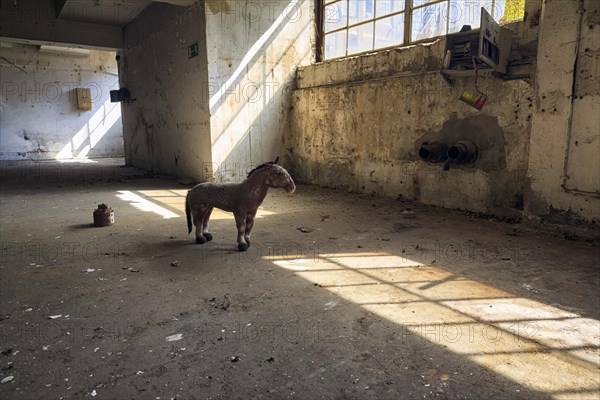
[565,139]
[39,118]
[167,127]
[254,48]
[357,124]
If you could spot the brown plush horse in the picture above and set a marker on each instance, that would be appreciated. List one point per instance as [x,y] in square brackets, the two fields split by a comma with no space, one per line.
[243,199]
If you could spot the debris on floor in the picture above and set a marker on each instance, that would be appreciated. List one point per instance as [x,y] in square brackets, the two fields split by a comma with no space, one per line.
[174,338]
[529,287]
[221,304]
[175,264]
[304,230]
[8,379]
[408,213]
[104,215]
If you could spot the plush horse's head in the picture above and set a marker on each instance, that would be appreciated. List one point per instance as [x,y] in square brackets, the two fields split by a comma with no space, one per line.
[277,176]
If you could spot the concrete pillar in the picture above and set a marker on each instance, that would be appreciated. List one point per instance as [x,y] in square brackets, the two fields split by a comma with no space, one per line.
[552,122]
[164,66]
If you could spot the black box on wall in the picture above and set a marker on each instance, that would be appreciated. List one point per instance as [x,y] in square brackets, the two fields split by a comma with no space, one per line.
[119,96]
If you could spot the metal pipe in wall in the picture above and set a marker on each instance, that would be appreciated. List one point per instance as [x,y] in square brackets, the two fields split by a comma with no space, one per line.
[433,152]
[462,152]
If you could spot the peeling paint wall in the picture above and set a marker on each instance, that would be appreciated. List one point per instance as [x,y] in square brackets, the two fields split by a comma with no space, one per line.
[167,127]
[357,124]
[39,118]
[253,50]
[565,140]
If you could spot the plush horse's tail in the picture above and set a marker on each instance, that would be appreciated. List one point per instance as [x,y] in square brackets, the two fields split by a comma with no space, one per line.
[188,212]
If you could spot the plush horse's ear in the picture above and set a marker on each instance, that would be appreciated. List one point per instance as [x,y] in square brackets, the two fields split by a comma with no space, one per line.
[276,160]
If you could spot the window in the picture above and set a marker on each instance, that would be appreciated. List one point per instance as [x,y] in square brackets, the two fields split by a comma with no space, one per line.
[355,26]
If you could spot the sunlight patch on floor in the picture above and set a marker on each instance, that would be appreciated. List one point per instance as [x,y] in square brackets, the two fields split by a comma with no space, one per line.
[175,201]
[77,160]
[537,345]
[145,205]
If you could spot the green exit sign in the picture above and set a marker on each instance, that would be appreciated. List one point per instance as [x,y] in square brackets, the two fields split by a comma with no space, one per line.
[193,50]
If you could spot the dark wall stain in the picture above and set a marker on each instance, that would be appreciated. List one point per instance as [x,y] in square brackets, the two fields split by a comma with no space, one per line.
[480,129]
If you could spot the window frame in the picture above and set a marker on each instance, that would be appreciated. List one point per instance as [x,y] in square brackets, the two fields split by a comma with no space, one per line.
[408,12]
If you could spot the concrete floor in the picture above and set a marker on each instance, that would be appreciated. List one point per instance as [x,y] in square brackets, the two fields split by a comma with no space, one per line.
[341,296]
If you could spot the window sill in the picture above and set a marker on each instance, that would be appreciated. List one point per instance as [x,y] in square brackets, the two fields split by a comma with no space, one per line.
[417,58]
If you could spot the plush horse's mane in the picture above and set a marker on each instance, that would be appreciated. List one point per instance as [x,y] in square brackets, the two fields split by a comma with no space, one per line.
[259,167]
[262,166]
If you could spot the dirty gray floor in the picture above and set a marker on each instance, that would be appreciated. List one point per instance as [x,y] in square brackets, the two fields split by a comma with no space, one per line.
[341,296]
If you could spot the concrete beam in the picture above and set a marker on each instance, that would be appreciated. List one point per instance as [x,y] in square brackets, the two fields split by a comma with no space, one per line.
[102,37]
[35,22]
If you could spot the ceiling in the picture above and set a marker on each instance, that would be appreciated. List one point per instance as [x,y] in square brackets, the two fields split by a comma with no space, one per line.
[107,12]
[72,23]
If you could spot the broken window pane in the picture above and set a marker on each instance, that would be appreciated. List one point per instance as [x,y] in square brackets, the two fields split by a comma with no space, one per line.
[509,10]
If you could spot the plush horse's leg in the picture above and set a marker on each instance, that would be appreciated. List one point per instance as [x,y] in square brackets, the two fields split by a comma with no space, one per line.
[205,233]
[240,222]
[199,222]
[249,224]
